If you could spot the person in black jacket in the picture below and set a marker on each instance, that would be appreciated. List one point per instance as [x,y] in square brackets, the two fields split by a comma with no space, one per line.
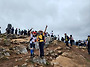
[0,30]
[66,40]
[89,44]
[16,31]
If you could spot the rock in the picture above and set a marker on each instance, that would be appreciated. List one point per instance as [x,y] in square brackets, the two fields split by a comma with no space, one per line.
[25,64]
[51,58]
[39,60]
[16,60]
[26,60]
[59,48]
[1,49]
[47,54]
[53,54]
[21,49]
[1,55]
[59,52]
[48,49]
[19,59]
[28,47]
[11,36]
[64,62]
[51,51]
[65,54]
[7,42]
[44,61]
[56,55]
[30,66]
[6,54]
[21,36]
[16,66]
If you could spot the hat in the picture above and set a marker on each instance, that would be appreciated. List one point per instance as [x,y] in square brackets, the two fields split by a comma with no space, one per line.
[34,32]
[40,31]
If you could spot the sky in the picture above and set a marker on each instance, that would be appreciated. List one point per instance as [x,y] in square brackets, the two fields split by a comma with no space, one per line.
[70,16]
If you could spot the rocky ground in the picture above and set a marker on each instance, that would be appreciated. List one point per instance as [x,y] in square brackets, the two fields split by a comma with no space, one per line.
[14,52]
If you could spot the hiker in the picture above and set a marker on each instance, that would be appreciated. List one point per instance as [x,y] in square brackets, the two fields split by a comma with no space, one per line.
[52,34]
[32,42]
[28,32]
[25,32]
[16,31]
[71,40]
[0,30]
[19,32]
[22,32]
[62,39]
[12,30]
[66,40]
[89,44]
[58,38]
[8,30]
[41,40]
[79,43]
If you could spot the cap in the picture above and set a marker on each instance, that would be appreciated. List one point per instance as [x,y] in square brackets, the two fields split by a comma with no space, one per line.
[34,32]
[40,31]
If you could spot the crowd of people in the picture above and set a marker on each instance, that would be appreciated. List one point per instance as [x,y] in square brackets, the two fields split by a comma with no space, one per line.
[35,36]
[70,39]
[39,36]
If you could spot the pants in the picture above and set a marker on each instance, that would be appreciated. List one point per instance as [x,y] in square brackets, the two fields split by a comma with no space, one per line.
[32,45]
[89,47]
[67,44]
[41,47]
[71,42]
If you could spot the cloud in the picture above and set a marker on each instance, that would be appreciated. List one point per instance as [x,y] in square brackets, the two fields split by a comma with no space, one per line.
[71,16]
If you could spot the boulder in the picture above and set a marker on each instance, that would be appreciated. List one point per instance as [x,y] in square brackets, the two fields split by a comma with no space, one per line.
[59,52]
[7,42]
[63,62]
[1,55]
[6,54]
[21,49]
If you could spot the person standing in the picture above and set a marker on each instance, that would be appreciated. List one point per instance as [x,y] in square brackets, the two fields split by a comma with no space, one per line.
[0,30]
[12,30]
[52,34]
[62,39]
[16,31]
[19,32]
[41,40]
[32,42]
[89,44]
[66,40]
[58,38]
[71,40]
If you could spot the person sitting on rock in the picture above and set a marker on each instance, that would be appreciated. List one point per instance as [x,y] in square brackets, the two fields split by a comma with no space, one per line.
[32,42]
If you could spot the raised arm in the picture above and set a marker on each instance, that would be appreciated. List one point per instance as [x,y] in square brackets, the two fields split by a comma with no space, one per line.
[45,28]
[31,30]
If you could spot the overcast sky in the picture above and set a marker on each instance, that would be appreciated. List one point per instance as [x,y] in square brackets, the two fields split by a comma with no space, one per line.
[71,16]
